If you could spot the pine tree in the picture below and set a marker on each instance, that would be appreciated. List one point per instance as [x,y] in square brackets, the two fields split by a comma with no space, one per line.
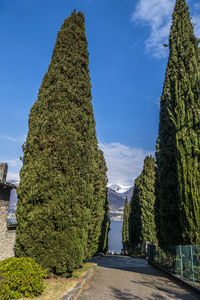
[125,227]
[56,191]
[178,154]
[141,216]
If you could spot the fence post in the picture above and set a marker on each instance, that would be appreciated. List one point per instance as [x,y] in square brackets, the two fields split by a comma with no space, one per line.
[181,261]
[192,264]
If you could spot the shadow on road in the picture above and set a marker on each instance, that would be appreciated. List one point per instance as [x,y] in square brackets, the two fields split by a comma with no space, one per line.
[118,294]
[125,295]
[146,277]
[126,263]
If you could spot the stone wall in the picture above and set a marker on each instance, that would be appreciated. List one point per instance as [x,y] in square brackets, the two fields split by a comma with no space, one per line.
[7,236]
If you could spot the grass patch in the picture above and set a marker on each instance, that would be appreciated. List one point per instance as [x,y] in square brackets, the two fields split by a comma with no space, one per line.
[80,272]
[58,287]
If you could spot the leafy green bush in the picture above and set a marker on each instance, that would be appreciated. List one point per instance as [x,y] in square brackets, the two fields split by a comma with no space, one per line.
[20,277]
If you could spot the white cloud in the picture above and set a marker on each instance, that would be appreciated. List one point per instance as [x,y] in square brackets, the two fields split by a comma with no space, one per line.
[157,14]
[8,138]
[15,163]
[13,177]
[14,166]
[19,139]
[124,163]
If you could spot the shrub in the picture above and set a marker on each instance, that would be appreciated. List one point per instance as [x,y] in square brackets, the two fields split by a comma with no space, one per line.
[20,277]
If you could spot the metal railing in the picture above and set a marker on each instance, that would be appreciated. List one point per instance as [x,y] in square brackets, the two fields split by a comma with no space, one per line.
[184,261]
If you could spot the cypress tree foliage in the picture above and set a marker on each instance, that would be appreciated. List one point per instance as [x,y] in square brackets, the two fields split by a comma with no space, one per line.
[141,217]
[56,191]
[125,227]
[105,228]
[134,217]
[99,220]
[178,153]
[102,195]
[157,206]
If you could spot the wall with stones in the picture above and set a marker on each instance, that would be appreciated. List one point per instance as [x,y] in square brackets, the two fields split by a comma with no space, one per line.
[7,236]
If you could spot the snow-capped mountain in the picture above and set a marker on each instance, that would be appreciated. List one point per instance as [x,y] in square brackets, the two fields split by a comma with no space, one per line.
[116,205]
[128,194]
[117,195]
[119,188]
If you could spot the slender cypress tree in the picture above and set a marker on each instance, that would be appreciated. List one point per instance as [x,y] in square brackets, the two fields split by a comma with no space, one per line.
[99,209]
[134,216]
[105,217]
[178,153]
[157,206]
[56,191]
[141,217]
[103,241]
[125,227]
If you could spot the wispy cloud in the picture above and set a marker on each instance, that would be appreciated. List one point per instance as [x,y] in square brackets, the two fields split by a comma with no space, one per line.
[20,139]
[157,14]
[124,163]
[14,163]
[8,138]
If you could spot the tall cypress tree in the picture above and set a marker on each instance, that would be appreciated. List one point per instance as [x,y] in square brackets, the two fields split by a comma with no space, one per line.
[141,217]
[99,210]
[105,217]
[56,191]
[157,205]
[105,228]
[178,154]
[125,227]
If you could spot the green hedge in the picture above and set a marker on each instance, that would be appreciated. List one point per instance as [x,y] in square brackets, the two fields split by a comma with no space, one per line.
[20,277]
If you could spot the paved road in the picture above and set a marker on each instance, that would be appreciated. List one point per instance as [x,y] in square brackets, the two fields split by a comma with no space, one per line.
[125,278]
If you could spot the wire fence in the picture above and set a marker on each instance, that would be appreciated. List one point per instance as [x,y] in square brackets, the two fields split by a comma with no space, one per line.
[184,261]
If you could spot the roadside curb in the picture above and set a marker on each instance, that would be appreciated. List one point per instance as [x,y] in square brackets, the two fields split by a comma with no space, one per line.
[179,280]
[72,294]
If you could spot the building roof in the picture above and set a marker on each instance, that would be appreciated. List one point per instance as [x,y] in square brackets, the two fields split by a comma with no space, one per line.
[8,185]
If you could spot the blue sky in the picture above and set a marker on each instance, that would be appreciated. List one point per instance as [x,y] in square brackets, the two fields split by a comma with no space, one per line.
[127,68]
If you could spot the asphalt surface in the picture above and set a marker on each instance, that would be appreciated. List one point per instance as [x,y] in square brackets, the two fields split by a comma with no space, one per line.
[123,277]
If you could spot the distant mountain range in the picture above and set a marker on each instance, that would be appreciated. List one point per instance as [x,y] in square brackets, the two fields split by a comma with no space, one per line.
[119,188]
[117,200]
[128,193]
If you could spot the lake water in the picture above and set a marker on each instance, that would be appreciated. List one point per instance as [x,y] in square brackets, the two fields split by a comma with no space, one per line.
[115,236]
